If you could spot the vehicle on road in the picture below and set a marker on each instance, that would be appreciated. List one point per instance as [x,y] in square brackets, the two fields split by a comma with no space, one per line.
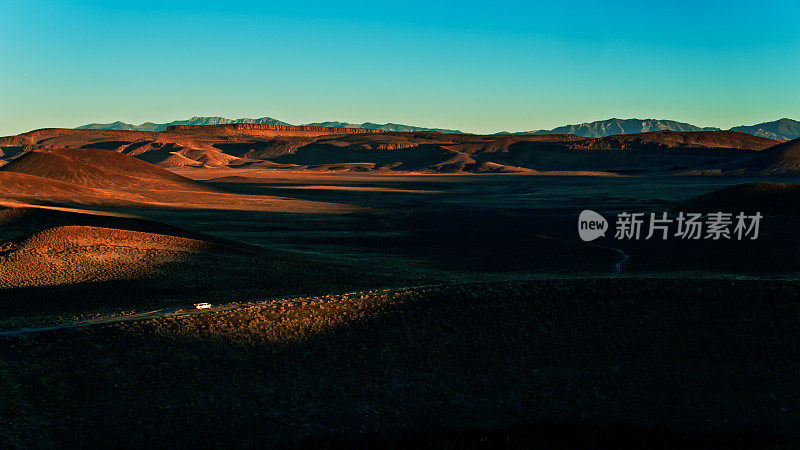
[202,305]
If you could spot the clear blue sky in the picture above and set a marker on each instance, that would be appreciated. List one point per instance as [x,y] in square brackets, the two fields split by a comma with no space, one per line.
[474,66]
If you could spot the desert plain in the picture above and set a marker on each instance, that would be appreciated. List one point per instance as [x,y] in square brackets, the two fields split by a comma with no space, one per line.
[392,289]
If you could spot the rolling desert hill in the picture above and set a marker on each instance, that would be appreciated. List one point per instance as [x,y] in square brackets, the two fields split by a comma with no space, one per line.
[98,168]
[89,176]
[66,260]
[328,149]
[21,220]
[780,159]
[98,177]
[33,189]
[78,254]
[674,140]
[768,198]
[151,147]
[46,246]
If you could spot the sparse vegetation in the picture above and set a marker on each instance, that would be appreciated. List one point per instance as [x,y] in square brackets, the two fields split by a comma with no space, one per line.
[582,355]
[676,351]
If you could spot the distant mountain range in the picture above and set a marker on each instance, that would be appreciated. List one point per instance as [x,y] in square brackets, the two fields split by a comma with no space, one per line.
[610,127]
[384,127]
[783,129]
[780,129]
[150,126]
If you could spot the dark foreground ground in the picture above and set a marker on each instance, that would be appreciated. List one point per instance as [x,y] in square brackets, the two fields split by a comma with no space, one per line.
[415,230]
[695,344]
[496,227]
[549,364]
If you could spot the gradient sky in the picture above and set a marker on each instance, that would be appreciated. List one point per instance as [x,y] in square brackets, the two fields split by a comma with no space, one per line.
[473,66]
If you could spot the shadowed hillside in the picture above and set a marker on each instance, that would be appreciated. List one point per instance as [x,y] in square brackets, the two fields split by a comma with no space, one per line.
[781,159]
[772,198]
[672,140]
[55,261]
[19,221]
[326,149]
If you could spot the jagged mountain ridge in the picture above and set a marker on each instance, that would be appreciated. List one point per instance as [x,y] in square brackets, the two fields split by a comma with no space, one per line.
[196,120]
[384,127]
[614,126]
[150,126]
[781,129]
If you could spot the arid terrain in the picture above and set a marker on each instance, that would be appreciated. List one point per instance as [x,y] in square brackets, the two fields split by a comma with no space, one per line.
[382,288]
[310,148]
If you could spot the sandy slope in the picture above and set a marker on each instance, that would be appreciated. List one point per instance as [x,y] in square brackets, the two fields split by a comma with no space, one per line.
[340,150]
[104,177]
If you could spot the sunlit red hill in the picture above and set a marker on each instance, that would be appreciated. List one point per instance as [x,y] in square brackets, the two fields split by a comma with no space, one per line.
[91,176]
[327,149]
[97,168]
